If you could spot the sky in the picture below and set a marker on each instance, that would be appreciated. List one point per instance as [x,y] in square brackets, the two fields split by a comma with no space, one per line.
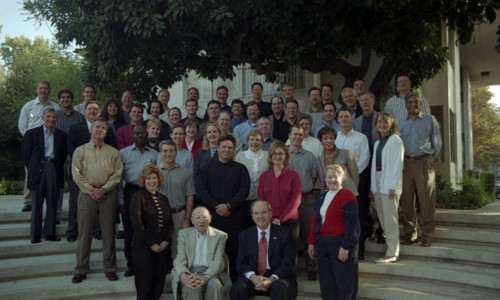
[14,23]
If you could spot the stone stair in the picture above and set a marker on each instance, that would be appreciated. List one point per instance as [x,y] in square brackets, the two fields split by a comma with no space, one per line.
[463,263]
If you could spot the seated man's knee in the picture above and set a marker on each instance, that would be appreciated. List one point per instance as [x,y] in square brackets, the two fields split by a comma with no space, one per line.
[214,283]
[279,287]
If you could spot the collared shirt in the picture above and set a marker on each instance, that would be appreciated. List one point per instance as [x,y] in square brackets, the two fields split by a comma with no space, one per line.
[243,129]
[304,163]
[267,143]
[236,122]
[134,160]
[48,135]
[65,121]
[177,186]
[317,117]
[256,164]
[80,108]
[200,254]
[31,114]
[421,135]
[358,144]
[397,107]
[311,144]
[334,125]
[183,158]
[96,166]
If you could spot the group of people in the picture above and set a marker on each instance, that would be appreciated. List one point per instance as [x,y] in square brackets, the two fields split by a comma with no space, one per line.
[260,182]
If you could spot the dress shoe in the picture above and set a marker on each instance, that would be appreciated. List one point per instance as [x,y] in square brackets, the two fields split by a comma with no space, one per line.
[52,238]
[36,239]
[371,237]
[58,222]
[386,259]
[381,239]
[111,276]
[26,208]
[425,243]
[410,241]
[312,275]
[98,236]
[361,256]
[129,273]
[77,278]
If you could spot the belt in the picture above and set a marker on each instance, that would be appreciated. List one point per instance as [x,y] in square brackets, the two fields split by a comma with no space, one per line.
[416,157]
[179,209]
[49,159]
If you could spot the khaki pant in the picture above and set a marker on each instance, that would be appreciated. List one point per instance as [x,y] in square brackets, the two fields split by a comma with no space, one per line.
[88,209]
[418,185]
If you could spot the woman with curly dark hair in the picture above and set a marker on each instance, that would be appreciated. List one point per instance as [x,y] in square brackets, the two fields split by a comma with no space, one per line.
[113,113]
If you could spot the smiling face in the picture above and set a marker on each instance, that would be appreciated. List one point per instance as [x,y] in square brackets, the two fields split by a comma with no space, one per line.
[191,130]
[255,142]
[359,86]
[291,110]
[177,135]
[127,99]
[50,120]
[66,100]
[112,109]
[329,113]
[139,135]
[98,130]
[403,84]
[315,98]
[88,93]
[43,91]
[174,116]
[224,121]
[151,183]
[193,93]
[296,137]
[413,105]
[191,108]
[201,219]
[328,141]
[261,215]
[135,115]
[226,151]
[212,135]
[253,113]
[326,94]
[288,92]
[384,126]
[213,111]
[333,180]
[264,125]
[307,127]
[168,153]
[155,109]
[257,92]
[222,95]
[278,157]
[92,112]
[366,102]
[154,131]
[164,97]
[237,109]
[276,105]
[349,99]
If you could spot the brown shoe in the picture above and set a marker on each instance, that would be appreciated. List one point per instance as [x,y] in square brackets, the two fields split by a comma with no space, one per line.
[410,241]
[111,276]
[425,243]
[77,278]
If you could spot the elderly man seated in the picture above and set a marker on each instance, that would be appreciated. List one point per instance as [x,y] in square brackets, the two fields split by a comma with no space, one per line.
[199,268]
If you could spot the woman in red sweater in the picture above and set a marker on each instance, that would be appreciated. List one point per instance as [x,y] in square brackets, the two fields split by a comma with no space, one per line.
[280,187]
[334,235]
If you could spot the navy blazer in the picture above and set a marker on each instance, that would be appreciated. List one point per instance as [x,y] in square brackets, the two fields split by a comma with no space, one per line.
[281,252]
[79,134]
[33,150]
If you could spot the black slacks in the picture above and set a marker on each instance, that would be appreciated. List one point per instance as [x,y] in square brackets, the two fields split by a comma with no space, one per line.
[150,272]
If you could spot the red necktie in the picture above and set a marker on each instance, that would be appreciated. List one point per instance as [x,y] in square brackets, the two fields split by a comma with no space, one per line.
[262,266]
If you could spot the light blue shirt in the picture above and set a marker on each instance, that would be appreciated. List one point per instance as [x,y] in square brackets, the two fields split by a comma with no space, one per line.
[48,135]
[242,131]
[421,135]
[334,125]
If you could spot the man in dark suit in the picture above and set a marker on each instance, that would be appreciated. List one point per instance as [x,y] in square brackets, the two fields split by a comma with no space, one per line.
[44,153]
[266,258]
[79,134]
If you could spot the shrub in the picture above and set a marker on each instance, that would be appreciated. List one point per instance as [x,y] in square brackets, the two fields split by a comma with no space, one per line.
[11,168]
[489,181]
[471,193]
[11,187]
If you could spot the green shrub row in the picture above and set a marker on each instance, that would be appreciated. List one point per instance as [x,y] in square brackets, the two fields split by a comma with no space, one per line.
[472,193]
[11,187]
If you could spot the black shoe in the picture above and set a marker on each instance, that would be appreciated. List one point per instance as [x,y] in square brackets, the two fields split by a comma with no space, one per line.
[361,256]
[129,273]
[312,275]
[52,238]
[58,222]
[71,239]
[26,208]
[120,235]
[36,239]
[98,236]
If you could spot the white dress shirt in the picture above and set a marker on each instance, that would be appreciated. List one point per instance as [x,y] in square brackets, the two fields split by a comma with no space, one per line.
[358,144]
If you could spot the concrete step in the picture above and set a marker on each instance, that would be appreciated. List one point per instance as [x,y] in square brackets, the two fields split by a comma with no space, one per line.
[24,248]
[456,252]
[437,270]
[52,265]
[482,236]
[21,230]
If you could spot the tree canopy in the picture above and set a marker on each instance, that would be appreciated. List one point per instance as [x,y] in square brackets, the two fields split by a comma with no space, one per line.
[142,43]
[26,62]
[485,128]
